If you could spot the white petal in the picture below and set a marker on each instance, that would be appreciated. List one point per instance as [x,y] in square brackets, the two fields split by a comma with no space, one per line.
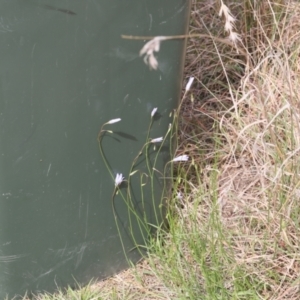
[189,84]
[114,121]
[181,158]
[179,195]
[153,112]
[157,140]
[119,179]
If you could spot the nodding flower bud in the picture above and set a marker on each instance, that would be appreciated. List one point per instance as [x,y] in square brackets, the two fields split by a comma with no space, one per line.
[181,158]
[157,140]
[119,179]
[114,121]
[189,84]
[153,112]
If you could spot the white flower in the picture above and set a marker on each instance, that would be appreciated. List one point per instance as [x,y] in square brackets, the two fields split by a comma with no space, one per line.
[181,158]
[179,195]
[153,112]
[114,121]
[119,179]
[189,84]
[157,140]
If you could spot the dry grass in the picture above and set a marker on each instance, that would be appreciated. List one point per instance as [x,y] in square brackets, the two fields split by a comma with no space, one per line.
[245,112]
[235,234]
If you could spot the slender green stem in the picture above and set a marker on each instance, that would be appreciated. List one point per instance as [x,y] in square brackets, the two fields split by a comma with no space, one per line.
[116,189]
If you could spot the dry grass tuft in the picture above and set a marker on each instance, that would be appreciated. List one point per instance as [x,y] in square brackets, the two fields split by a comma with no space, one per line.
[242,123]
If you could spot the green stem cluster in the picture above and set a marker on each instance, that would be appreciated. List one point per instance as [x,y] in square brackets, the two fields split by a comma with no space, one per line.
[146,178]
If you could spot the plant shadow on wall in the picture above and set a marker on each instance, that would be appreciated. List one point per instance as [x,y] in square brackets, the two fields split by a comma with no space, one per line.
[142,220]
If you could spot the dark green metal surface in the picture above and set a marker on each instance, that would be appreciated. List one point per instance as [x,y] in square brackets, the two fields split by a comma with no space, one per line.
[64,71]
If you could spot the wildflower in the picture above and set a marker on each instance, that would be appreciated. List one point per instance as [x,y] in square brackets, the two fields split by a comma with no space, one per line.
[189,84]
[157,140]
[181,158]
[119,179]
[114,121]
[149,49]
[179,196]
[153,112]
